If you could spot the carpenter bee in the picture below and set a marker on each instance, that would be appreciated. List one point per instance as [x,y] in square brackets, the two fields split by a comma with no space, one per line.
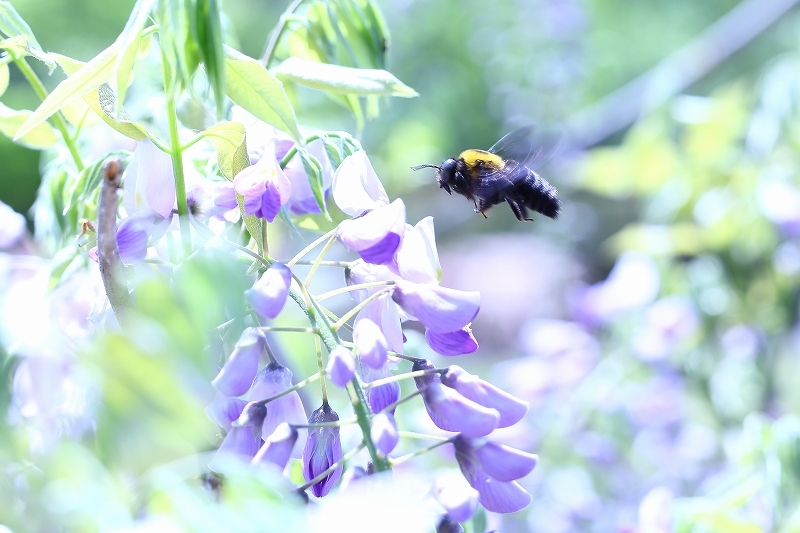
[501,174]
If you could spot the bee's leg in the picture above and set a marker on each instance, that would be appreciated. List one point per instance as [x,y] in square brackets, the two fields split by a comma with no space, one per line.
[481,207]
[519,210]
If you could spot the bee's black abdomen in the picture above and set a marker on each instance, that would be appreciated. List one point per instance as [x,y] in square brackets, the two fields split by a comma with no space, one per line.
[540,196]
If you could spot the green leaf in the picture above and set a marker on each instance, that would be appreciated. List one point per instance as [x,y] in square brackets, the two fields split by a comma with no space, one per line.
[313,170]
[19,47]
[344,80]
[254,88]
[103,102]
[175,18]
[41,136]
[228,139]
[12,25]
[130,42]
[60,265]
[89,77]
[207,31]
[4,76]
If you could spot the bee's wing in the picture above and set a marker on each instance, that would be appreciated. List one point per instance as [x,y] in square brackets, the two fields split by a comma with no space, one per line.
[526,147]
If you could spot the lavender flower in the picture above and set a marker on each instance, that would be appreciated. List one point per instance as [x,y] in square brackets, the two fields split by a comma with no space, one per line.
[371,345]
[457,497]
[135,232]
[497,495]
[148,182]
[302,200]
[269,293]
[376,236]
[223,411]
[243,439]
[441,310]
[277,448]
[264,186]
[271,380]
[322,450]
[384,432]
[356,188]
[382,396]
[239,370]
[458,342]
[341,366]
[451,411]
[511,409]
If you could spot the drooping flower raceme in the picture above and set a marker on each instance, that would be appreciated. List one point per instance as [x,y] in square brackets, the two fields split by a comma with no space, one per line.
[322,450]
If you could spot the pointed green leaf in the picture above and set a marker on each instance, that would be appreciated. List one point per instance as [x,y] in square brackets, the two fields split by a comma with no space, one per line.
[4,76]
[254,88]
[207,32]
[345,80]
[12,25]
[130,41]
[103,102]
[89,77]
[42,136]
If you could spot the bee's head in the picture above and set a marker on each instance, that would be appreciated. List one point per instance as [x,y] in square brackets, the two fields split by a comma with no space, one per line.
[445,175]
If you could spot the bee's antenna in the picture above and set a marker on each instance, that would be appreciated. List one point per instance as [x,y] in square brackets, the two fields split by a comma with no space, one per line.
[417,167]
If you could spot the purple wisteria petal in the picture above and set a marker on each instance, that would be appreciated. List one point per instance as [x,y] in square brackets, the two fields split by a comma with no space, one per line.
[376,236]
[511,408]
[457,497]
[385,313]
[239,370]
[269,293]
[252,416]
[450,411]
[341,366]
[302,201]
[453,343]
[356,188]
[12,226]
[384,432]
[440,309]
[149,183]
[277,448]
[271,380]
[417,258]
[499,496]
[225,196]
[322,450]
[238,443]
[362,272]
[131,240]
[264,186]
[504,463]
[382,396]
[370,343]
[223,410]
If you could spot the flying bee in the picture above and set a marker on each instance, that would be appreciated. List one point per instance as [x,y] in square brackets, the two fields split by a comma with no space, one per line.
[501,174]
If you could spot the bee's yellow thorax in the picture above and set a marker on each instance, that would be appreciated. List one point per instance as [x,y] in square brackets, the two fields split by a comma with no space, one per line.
[490,160]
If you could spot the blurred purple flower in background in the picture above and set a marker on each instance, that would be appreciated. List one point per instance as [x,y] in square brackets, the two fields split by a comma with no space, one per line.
[667,322]
[236,376]
[631,284]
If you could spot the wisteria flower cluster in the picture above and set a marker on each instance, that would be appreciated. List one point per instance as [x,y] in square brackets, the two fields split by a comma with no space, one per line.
[395,280]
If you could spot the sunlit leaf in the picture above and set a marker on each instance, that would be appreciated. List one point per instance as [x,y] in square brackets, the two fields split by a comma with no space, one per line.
[207,32]
[12,25]
[41,136]
[228,139]
[129,48]
[102,102]
[254,88]
[345,80]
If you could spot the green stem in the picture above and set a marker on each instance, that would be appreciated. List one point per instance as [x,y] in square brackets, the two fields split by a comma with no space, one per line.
[421,436]
[310,247]
[321,368]
[276,35]
[299,385]
[339,264]
[351,288]
[58,121]
[404,458]
[331,340]
[407,375]
[177,156]
[351,313]
[287,329]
